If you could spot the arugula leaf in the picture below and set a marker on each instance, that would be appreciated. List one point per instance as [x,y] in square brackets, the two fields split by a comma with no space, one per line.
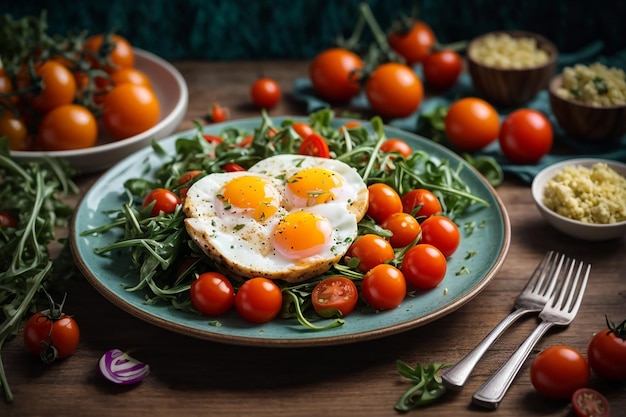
[427,385]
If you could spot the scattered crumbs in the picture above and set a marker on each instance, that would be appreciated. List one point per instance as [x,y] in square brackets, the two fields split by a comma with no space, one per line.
[470,254]
[215,323]
[463,271]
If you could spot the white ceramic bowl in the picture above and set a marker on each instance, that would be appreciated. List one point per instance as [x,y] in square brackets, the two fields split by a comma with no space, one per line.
[575,228]
[170,88]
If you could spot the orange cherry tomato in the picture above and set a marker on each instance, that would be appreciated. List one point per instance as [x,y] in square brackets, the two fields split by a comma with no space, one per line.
[232,167]
[370,250]
[130,75]
[218,113]
[397,145]
[120,51]
[405,229]
[471,124]
[59,87]
[303,130]
[265,93]
[383,201]
[130,109]
[67,127]
[15,129]
[334,74]
[415,44]
[314,145]
[393,90]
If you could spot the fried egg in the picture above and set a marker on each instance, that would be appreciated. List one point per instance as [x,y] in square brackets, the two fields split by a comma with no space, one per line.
[288,218]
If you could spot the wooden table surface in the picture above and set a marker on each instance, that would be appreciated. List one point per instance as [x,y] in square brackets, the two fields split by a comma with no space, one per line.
[192,377]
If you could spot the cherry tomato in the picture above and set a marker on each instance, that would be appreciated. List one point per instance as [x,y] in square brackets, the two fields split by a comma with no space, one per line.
[415,44]
[259,300]
[314,145]
[212,294]
[442,233]
[265,93]
[424,266]
[6,87]
[588,402]
[397,145]
[471,124]
[558,371]
[303,130]
[218,113]
[370,250]
[15,129]
[334,294]
[352,124]
[6,220]
[130,75]
[165,201]
[130,109]
[212,139]
[607,354]
[59,87]
[384,287]
[51,337]
[421,203]
[121,51]
[442,69]
[393,90]
[334,74]
[525,136]
[383,201]
[71,126]
[187,176]
[232,167]
[405,229]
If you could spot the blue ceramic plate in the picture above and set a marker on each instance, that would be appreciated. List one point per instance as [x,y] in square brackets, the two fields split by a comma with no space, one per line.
[106,274]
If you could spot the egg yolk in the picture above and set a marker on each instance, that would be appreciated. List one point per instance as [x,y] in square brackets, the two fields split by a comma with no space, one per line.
[301,234]
[315,185]
[249,192]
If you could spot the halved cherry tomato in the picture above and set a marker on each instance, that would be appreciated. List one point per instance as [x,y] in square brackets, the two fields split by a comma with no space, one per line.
[525,136]
[442,233]
[397,145]
[6,220]
[415,44]
[384,287]
[303,130]
[442,69]
[59,87]
[370,250]
[588,402]
[471,124]
[558,371]
[421,203]
[164,200]
[314,145]
[212,294]
[383,201]
[405,229]
[606,352]
[393,90]
[259,300]
[51,337]
[66,127]
[333,73]
[334,294]
[120,51]
[212,139]
[232,167]
[424,266]
[265,93]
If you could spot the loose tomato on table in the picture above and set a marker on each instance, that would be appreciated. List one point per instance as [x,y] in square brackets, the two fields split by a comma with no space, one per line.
[314,145]
[420,203]
[371,250]
[588,402]
[384,287]
[165,201]
[471,124]
[393,90]
[265,93]
[383,201]
[558,371]
[110,52]
[442,233]
[212,294]
[397,145]
[335,74]
[405,229]
[258,300]
[51,335]
[442,69]
[67,127]
[130,109]
[525,136]
[424,266]
[606,352]
[334,294]
[413,43]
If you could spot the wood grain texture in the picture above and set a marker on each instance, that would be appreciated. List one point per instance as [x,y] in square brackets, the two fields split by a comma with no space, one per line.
[191,377]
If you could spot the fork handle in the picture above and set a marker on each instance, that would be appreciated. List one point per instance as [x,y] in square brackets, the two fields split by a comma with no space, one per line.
[491,393]
[455,377]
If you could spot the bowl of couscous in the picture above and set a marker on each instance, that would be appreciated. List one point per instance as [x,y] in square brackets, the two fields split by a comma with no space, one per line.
[589,101]
[509,68]
[584,198]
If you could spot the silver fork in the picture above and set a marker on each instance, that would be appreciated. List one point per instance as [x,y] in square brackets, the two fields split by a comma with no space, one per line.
[533,297]
[560,310]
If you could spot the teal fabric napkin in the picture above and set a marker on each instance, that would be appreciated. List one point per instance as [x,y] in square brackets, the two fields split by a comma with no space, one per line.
[614,150]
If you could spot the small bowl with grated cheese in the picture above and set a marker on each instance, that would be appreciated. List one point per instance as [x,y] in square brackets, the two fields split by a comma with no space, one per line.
[584,198]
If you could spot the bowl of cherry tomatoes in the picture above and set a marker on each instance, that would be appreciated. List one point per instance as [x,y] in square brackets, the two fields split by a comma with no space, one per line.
[143,99]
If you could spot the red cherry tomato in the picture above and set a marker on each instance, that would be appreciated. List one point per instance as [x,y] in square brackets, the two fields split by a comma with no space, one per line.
[384,287]
[415,44]
[6,220]
[607,354]
[558,371]
[51,337]
[265,93]
[303,130]
[165,201]
[232,167]
[130,109]
[397,145]
[383,201]
[588,402]
[370,250]
[442,69]
[525,136]
[405,229]
[393,90]
[334,294]
[212,294]
[218,114]
[334,74]
[471,124]
[442,233]
[314,145]
[259,300]
[421,203]
[66,127]
[424,266]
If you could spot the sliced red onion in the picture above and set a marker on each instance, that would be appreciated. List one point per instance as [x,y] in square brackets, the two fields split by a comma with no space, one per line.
[118,367]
